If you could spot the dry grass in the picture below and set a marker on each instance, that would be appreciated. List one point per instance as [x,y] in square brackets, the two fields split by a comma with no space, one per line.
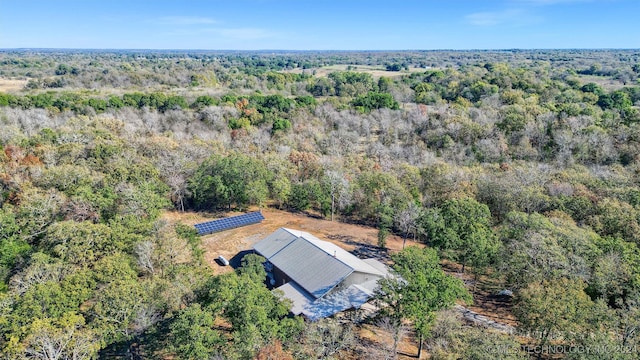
[486,302]
[375,71]
[12,85]
[373,338]
[359,239]
[606,83]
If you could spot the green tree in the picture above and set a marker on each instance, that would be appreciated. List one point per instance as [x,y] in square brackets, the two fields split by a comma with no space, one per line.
[593,88]
[418,290]
[308,194]
[281,189]
[381,194]
[559,306]
[115,102]
[193,334]
[384,84]
[80,243]
[232,180]
[375,100]
[513,119]
[203,101]
[301,101]
[537,248]
[351,83]
[280,124]
[256,315]
[12,246]
[116,308]
[321,87]
[461,229]
[616,100]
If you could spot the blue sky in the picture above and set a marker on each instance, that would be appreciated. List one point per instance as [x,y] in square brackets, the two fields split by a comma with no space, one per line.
[319,24]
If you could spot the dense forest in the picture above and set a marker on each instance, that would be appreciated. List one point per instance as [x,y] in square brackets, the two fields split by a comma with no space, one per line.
[520,166]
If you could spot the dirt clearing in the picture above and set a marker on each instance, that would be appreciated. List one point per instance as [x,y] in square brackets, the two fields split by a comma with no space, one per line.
[232,244]
[357,239]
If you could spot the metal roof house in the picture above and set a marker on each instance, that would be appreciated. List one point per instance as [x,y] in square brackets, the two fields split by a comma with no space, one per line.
[320,278]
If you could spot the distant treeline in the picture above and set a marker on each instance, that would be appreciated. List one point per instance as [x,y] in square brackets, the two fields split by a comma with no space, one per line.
[71,101]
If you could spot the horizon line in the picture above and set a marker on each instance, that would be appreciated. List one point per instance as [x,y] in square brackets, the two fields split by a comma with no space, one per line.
[314,50]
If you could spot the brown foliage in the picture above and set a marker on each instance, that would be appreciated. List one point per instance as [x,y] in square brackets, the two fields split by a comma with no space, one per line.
[306,162]
[273,351]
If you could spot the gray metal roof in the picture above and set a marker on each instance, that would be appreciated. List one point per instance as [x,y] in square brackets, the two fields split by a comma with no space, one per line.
[310,267]
[275,242]
[316,266]
[314,309]
[283,237]
[344,256]
[300,299]
[374,263]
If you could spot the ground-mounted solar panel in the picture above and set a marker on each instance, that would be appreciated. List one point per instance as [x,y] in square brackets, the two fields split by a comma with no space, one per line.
[210,227]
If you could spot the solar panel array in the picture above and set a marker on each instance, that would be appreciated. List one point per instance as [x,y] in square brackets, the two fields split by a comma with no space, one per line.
[229,223]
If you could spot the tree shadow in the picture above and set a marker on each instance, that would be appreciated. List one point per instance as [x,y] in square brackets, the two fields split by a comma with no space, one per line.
[363,251]
[236,261]
[143,346]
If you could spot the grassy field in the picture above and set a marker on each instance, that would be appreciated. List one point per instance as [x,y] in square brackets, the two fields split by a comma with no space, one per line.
[375,71]
[12,85]
[606,82]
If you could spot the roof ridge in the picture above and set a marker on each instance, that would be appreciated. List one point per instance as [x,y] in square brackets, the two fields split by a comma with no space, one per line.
[284,247]
[344,253]
[297,280]
[324,251]
[301,236]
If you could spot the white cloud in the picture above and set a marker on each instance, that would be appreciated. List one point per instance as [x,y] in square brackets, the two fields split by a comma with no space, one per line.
[183,20]
[509,16]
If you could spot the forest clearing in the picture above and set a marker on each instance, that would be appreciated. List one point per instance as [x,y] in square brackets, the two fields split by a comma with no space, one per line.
[357,239]
[353,238]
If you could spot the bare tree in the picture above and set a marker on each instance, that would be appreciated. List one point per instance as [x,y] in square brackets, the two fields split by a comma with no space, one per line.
[395,331]
[406,221]
[40,270]
[68,340]
[327,337]
[338,190]
[145,255]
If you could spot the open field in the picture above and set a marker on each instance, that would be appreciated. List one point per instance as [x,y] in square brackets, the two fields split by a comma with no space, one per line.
[12,85]
[375,71]
[606,82]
